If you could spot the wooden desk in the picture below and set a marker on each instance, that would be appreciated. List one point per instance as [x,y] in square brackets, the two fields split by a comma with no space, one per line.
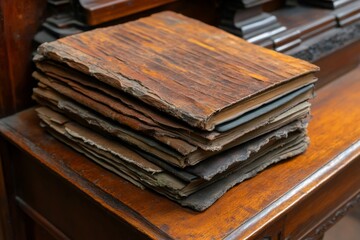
[54,192]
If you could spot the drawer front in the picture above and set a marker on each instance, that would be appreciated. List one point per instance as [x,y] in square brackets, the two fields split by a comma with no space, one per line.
[60,208]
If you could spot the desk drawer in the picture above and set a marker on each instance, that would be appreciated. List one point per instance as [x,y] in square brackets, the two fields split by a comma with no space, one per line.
[50,200]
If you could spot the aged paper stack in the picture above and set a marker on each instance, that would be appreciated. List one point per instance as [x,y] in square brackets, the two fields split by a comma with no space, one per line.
[175,105]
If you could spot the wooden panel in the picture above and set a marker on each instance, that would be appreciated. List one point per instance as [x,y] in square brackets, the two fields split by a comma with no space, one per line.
[303,220]
[40,223]
[18,24]
[37,232]
[331,68]
[11,215]
[60,209]
[40,234]
[4,212]
[347,226]
[323,31]
[100,11]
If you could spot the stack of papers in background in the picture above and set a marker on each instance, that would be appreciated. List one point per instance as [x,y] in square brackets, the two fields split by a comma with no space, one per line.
[172,104]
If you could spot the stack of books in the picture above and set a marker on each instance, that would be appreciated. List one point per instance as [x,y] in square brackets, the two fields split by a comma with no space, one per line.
[172,104]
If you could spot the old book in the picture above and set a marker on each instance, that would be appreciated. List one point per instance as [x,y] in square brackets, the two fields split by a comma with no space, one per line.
[202,78]
[165,147]
[185,186]
[129,111]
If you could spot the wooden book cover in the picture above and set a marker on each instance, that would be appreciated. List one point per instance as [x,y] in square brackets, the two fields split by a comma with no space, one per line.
[194,72]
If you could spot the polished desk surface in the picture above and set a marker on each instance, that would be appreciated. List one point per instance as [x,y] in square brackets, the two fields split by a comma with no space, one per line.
[290,200]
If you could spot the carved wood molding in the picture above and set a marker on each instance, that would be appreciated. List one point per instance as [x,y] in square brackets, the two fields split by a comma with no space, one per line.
[246,19]
[334,218]
[332,4]
[336,39]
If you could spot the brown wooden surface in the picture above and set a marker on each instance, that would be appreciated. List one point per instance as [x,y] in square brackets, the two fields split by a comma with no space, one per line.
[11,215]
[332,68]
[18,25]
[249,209]
[100,11]
[4,207]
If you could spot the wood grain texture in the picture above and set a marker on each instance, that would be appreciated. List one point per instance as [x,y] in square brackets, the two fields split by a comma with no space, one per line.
[328,3]
[4,225]
[245,211]
[190,74]
[18,24]
[9,211]
[332,69]
[324,31]
[46,224]
[100,11]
